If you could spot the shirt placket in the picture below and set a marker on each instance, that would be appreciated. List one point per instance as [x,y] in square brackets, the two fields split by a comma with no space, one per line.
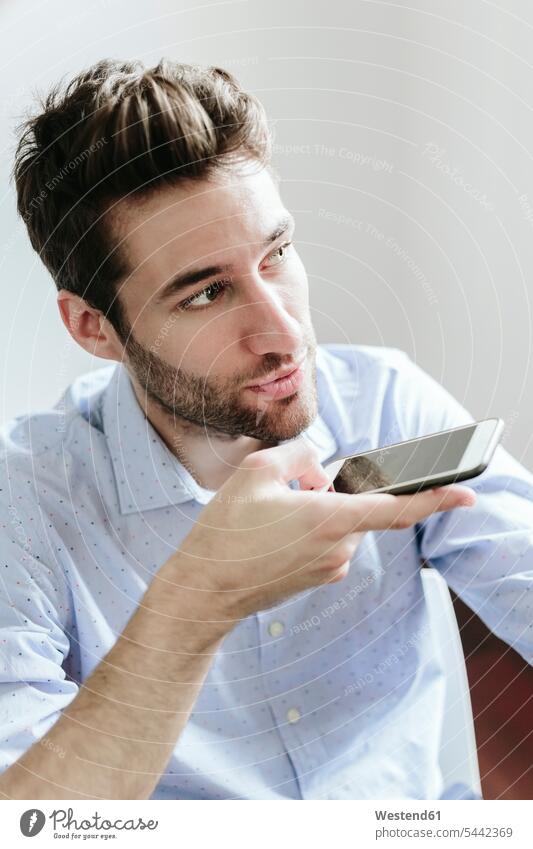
[288,704]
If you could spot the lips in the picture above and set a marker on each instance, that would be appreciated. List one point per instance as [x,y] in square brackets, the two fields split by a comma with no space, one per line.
[283,386]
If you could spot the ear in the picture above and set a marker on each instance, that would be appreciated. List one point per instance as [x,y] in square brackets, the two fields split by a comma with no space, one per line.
[89,327]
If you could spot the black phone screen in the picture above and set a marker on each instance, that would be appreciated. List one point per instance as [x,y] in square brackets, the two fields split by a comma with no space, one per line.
[406,461]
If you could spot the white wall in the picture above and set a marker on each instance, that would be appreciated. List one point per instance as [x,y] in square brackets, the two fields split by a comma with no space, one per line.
[404,139]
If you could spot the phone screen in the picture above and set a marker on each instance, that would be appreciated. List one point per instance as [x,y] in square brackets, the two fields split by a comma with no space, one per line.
[407,461]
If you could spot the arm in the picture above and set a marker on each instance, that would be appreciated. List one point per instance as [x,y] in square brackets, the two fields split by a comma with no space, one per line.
[487,556]
[117,735]
[485,553]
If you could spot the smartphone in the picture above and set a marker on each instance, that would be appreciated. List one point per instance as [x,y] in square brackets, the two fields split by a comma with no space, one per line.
[429,461]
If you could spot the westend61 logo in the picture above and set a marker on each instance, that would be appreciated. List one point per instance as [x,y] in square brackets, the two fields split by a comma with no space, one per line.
[65,825]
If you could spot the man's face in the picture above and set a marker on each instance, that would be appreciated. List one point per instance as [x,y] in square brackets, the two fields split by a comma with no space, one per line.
[195,347]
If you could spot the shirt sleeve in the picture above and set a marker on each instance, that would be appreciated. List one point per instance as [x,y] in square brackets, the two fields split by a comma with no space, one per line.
[33,644]
[484,552]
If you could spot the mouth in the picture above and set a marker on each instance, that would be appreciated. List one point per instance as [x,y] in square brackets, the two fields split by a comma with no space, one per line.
[283,386]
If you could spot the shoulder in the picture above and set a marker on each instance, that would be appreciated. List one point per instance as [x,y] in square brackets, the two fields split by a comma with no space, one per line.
[380,395]
[365,377]
[354,362]
[43,445]
[36,432]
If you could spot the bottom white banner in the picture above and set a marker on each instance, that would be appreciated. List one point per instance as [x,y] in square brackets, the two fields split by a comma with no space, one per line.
[264,824]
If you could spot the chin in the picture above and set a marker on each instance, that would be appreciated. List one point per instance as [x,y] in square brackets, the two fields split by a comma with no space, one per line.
[286,418]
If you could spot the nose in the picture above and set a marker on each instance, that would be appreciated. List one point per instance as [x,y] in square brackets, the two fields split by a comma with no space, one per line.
[269,327]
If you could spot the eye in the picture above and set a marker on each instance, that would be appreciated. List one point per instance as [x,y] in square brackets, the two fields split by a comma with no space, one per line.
[280,252]
[210,292]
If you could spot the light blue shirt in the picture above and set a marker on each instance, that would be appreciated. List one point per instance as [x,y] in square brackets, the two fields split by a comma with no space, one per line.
[334,694]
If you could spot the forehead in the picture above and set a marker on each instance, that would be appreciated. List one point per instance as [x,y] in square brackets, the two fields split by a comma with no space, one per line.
[198,220]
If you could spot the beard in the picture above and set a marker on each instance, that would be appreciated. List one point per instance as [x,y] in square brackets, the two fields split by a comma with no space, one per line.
[215,406]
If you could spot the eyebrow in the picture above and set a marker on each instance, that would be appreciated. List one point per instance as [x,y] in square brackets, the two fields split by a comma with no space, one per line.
[196,275]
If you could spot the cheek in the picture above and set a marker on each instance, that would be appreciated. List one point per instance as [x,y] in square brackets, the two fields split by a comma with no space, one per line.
[207,349]
[298,289]
[162,337]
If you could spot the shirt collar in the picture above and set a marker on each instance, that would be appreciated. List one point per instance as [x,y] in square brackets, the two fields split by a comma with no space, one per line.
[147,474]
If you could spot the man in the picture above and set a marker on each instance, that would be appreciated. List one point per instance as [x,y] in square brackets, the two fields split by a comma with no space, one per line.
[187,613]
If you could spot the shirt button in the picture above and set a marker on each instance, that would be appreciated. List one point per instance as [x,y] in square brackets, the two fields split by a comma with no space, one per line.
[276,629]
[294,715]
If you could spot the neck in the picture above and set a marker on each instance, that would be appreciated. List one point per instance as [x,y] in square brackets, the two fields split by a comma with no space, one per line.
[208,455]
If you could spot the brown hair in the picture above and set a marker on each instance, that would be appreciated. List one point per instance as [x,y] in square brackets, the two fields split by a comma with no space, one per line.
[119,130]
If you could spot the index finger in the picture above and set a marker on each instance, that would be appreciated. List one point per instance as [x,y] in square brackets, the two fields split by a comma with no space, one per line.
[379,511]
[296,459]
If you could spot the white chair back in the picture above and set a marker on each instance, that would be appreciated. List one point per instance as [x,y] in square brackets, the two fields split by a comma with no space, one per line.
[458,751]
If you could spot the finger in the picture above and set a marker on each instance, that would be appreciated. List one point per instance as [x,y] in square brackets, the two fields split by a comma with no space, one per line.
[332,470]
[378,511]
[339,573]
[407,510]
[294,460]
[464,494]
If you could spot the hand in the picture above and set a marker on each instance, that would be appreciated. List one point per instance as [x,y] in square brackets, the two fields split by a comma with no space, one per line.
[258,541]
